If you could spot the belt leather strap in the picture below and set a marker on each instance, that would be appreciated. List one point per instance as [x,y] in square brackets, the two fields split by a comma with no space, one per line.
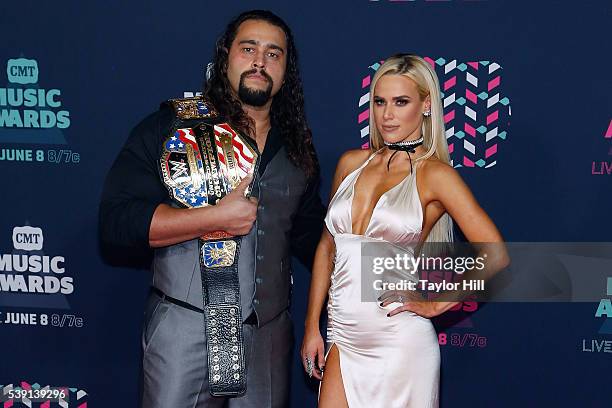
[223,318]
[202,160]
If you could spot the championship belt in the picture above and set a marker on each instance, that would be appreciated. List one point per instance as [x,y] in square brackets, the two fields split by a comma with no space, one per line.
[201,162]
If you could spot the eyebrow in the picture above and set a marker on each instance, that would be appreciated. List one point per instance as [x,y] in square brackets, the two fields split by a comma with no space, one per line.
[395,98]
[271,46]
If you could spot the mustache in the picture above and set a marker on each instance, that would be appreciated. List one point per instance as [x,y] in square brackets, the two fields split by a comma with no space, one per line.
[256,71]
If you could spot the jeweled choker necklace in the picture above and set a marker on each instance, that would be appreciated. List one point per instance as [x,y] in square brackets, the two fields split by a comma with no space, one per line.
[407,146]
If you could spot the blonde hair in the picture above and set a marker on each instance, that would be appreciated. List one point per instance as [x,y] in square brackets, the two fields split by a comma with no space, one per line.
[434,137]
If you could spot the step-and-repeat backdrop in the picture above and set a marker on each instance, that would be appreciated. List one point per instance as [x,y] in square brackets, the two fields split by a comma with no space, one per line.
[526,90]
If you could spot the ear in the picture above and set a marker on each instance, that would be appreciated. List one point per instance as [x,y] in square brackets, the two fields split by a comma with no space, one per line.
[427,106]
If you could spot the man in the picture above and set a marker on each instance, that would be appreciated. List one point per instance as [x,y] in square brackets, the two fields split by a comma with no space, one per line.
[255,86]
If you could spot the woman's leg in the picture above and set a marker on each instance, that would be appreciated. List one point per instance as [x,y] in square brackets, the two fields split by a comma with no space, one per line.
[332,389]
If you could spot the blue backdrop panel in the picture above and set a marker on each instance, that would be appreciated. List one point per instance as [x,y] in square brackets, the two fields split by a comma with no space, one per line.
[526,88]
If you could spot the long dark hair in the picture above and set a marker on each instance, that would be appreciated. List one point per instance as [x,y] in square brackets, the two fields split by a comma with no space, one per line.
[287,110]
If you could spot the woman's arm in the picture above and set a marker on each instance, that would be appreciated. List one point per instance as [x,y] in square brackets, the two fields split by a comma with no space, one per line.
[326,249]
[312,346]
[444,187]
[320,281]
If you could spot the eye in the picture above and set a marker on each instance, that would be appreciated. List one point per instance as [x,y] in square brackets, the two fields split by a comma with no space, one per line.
[273,55]
[248,49]
[379,101]
[401,102]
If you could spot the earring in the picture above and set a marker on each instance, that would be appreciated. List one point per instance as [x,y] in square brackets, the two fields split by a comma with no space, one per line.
[427,113]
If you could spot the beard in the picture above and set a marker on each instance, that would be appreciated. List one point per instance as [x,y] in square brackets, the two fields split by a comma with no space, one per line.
[254,97]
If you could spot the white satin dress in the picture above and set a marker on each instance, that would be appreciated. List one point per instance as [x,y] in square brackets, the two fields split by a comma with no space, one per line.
[385,361]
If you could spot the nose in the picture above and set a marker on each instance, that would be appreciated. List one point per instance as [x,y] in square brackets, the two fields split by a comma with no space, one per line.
[258,60]
[388,113]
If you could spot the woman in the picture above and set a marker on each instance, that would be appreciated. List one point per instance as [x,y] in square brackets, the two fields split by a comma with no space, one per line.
[401,191]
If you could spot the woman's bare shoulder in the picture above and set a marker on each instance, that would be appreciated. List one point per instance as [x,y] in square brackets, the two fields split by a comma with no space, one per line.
[433,165]
[350,160]
[438,173]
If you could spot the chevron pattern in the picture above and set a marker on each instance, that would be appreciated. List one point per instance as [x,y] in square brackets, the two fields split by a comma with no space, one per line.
[476,112]
[75,399]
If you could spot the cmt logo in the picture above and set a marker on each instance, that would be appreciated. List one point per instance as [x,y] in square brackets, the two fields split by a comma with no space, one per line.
[28,238]
[22,71]
[28,112]
[476,110]
[33,272]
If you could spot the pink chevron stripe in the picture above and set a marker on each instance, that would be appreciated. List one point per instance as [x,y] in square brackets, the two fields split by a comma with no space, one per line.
[25,385]
[45,404]
[8,404]
[450,83]
[609,132]
[467,162]
[431,62]
[494,82]
[365,82]
[492,117]
[365,146]
[449,116]
[83,405]
[469,129]
[451,148]
[491,151]
[473,65]
[471,96]
[363,116]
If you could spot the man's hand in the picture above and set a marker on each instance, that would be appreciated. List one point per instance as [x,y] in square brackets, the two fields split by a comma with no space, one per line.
[236,212]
